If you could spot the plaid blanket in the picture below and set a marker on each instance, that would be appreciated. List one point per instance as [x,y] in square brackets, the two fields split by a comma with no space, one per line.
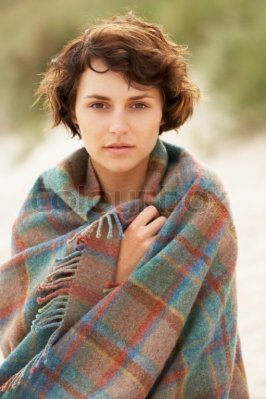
[169,331]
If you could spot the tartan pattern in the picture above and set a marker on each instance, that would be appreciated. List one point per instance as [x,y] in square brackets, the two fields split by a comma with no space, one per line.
[170,331]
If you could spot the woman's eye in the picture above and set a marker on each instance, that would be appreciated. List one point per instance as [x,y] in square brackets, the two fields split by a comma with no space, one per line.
[97,105]
[140,105]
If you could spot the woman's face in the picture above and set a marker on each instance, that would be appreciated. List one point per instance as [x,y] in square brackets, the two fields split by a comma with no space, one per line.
[119,125]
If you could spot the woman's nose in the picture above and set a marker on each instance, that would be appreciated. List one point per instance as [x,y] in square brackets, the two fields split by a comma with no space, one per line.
[119,124]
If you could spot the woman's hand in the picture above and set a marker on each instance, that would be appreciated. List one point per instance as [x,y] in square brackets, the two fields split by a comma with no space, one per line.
[138,236]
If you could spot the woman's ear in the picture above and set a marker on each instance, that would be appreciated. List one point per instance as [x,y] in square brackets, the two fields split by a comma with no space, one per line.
[162,122]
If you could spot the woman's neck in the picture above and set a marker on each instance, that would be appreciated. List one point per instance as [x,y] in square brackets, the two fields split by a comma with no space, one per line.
[120,187]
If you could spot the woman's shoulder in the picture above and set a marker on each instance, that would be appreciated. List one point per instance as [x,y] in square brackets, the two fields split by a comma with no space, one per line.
[67,175]
[52,200]
[69,171]
[192,174]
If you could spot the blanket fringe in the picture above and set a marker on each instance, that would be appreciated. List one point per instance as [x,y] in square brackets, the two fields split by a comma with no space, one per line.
[97,225]
[14,381]
[56,288]
[54,291]
[58,283]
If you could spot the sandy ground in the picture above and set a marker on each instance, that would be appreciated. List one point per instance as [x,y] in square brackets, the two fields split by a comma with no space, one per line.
[243,171]
[242,167]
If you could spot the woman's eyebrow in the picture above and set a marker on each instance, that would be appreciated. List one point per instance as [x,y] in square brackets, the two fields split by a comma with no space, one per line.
[99,97]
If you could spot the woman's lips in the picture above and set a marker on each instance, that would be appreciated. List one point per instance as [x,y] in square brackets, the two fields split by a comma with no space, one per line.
[119,149]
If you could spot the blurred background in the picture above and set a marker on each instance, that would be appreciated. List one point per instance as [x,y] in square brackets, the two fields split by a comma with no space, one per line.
[226,39]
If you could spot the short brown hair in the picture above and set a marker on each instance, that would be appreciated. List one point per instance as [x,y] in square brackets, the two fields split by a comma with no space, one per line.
[140,50]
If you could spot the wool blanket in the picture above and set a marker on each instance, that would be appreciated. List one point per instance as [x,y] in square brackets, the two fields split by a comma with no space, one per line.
[169,331]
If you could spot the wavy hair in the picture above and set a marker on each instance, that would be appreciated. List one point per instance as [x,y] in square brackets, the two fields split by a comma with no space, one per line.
[128,44]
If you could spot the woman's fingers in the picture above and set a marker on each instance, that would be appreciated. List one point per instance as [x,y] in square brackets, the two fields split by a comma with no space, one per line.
[155,226]
[145,216]
[139,235]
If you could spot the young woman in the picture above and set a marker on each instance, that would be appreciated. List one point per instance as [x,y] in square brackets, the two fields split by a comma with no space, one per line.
[122,279]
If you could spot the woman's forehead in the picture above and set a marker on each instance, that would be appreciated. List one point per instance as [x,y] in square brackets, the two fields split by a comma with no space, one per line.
[109,82]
